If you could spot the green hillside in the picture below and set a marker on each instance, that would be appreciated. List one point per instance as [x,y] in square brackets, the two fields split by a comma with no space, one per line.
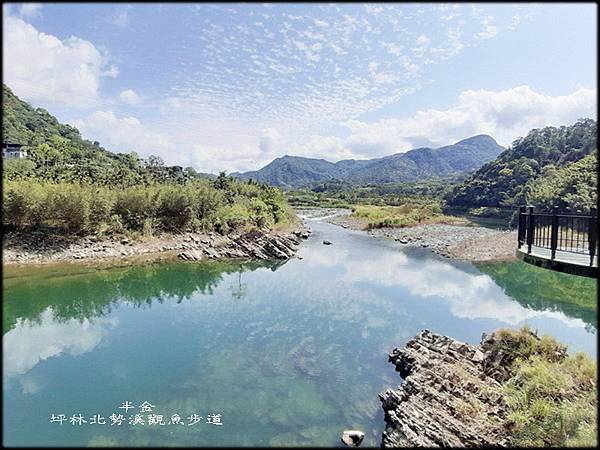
[548,167]
[415,165]
[68,184]
[57,152]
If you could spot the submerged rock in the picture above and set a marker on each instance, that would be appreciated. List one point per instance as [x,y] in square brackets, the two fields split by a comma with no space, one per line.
[326,243]
[450,395]
[352,438]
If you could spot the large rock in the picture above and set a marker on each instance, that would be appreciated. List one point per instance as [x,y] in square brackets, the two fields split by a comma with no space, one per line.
[447,398]
[263,244]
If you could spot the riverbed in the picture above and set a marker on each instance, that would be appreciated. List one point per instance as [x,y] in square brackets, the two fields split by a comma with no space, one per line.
[265,353]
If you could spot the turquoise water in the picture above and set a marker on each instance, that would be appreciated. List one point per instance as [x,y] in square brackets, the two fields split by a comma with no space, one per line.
[286,353]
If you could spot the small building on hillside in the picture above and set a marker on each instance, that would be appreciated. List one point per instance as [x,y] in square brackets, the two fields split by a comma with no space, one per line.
[13,151]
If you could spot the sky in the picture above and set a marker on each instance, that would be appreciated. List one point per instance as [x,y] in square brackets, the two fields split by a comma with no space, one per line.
[231,86]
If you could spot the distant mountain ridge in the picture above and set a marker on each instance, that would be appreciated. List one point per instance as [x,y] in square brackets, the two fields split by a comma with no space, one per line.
[415,165]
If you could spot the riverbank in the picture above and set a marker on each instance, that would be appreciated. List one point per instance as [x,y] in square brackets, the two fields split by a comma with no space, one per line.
[513,389]
[464,242]
[39,248]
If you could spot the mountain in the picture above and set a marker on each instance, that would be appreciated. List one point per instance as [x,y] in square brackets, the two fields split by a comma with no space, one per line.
[292,171]
[415,165]
[548,167]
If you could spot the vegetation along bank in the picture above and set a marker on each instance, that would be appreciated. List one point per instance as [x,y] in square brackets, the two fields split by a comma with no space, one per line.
[70,199]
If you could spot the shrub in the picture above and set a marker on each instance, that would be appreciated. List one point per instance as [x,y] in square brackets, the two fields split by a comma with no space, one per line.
[196,206]
[25,204]
[69,205]
[261,213]
[135,205]
[551,397]
[102,201]
[175,209]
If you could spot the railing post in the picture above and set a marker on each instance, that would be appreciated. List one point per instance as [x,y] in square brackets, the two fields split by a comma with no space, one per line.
[593,234]
[530,229]
[521,225]
[554,232]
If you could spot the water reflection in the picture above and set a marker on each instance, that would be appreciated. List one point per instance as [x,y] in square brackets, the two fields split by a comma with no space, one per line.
[32,341]
[79,297]
[290,353]
[546,290]
[469,293]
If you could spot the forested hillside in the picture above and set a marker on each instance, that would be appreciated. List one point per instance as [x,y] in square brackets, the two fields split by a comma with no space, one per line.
[419,164]
[548,167]
[57,152]
[70,184]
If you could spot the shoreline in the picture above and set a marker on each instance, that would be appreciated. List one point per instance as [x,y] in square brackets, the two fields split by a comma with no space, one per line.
[472,243]
[461,242]
[28,249]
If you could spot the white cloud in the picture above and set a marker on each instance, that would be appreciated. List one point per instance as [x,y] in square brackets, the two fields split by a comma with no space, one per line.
[29,10]
[130,97]
[504,115]
[380,77]
[488,32]
[393,48]
[423,40]
[66,72]
[126,134]
[269,140]
[111,72]
[371,8]
[120,16]
[516,20]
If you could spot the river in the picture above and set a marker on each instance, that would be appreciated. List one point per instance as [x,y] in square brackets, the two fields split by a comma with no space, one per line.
[279,354]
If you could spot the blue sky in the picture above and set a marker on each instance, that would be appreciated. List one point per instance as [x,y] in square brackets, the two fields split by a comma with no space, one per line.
[231,86]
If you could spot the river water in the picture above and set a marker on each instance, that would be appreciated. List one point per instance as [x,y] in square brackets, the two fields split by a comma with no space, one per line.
[278,353]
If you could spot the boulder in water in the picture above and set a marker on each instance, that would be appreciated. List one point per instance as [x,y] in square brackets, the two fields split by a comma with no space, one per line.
[352,438]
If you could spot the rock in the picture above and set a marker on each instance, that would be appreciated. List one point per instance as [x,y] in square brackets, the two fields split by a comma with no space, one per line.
[449,395]
[326,243]
[303,233]
[258,244]
[403,241]
[190,255]
[352,438]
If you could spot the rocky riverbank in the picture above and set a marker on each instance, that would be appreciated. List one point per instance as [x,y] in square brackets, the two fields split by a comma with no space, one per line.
[470,243]
[451,395]
[38,248]
[514,389]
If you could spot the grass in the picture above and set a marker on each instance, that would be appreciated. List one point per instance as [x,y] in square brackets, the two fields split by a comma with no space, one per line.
[551,397]
[405,215]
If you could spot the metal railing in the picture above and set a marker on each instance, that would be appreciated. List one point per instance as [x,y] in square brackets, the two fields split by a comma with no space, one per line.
[574,233]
